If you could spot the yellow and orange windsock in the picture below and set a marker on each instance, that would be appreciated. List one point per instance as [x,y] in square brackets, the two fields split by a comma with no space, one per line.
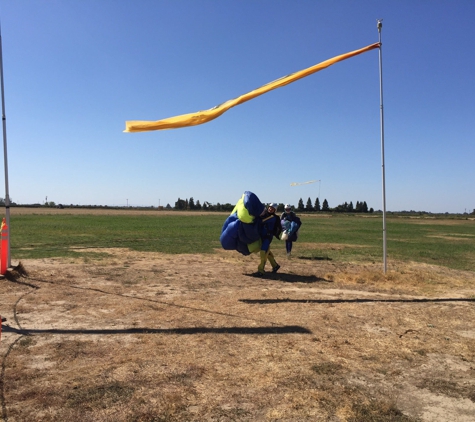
[204,116]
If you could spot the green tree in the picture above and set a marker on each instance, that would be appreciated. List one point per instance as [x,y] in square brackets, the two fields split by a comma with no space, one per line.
[317,205]
[198,205]
[300,205]
[180,204]
[325,206]
[309,206]
[361,206]
[191,204]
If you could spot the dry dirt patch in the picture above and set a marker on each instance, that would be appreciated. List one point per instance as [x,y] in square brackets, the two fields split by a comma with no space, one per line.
[153,337]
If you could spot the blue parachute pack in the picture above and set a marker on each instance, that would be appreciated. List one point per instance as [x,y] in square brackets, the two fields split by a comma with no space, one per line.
[241,230]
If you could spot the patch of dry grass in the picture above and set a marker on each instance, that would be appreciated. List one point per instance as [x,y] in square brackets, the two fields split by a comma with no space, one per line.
[151,337]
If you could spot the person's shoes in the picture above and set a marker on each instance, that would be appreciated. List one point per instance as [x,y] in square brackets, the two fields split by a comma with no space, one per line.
[258,274]
[288,255]
[276,268]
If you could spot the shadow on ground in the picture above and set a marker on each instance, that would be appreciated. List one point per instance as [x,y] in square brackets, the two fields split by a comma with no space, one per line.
[290,278]
[287,329]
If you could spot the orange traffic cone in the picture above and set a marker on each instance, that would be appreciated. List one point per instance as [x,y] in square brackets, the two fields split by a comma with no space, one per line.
[4,248]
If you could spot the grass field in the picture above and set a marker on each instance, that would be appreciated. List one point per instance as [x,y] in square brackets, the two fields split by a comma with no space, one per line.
[441,241]
[128,316]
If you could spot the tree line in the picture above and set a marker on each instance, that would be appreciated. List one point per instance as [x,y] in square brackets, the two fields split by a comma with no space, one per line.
[190,204]
[360,207]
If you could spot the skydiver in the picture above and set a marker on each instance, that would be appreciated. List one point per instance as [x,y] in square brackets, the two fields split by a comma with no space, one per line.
[290,226]
[270,227]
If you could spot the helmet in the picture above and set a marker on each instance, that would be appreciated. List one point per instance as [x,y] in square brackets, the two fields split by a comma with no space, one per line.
[287,207]
[273,205]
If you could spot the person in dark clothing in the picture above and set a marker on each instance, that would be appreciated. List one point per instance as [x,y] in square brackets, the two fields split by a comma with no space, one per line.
[290,226]
[270,227]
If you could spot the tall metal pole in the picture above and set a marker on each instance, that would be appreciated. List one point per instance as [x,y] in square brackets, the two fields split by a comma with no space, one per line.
[5,156]
[380,25]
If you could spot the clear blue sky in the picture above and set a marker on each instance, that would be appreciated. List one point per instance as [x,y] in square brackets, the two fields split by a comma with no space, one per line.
[76,70]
